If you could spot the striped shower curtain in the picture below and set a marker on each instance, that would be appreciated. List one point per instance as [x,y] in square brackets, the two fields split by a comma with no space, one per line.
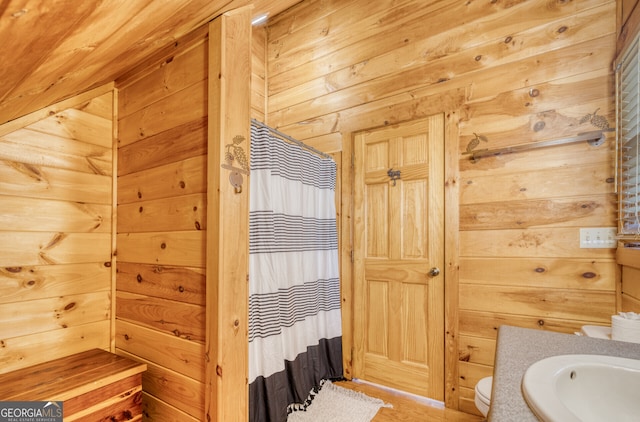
[295,332]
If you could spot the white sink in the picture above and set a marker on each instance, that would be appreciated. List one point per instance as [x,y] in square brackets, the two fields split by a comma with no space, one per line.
[585,388]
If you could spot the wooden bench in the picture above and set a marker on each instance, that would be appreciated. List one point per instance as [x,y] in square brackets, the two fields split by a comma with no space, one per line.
[94,386]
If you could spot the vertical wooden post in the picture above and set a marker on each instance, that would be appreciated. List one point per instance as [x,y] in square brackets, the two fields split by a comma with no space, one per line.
[227,260]
[346,252]
[114,214]
[452,254]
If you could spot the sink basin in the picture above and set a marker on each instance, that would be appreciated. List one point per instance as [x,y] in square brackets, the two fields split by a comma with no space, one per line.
[585,388]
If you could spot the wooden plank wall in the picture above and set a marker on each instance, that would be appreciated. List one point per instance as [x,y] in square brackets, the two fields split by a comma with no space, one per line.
[529,71]
[162,215]
[259,73]
[629,260]
[56,231]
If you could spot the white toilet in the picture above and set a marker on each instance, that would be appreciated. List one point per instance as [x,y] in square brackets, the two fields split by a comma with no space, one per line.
[483,395]
[483,387]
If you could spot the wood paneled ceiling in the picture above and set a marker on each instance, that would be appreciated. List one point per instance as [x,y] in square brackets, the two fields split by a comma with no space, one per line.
[54,49]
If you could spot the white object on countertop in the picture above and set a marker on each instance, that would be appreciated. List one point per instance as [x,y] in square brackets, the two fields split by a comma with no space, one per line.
[626,327]
[629,315]
[596,331]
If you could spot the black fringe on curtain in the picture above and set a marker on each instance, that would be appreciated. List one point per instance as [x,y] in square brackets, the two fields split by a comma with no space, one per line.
[269,397]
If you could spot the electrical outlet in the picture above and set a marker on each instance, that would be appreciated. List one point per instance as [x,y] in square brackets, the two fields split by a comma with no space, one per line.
[600,237]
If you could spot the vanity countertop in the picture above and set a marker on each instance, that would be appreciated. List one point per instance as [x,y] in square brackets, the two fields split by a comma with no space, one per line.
[517,348]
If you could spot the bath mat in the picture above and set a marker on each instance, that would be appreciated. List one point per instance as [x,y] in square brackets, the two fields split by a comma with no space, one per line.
[335,404]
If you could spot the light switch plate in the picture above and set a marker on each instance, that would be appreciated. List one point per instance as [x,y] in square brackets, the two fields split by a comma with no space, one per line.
[599,237]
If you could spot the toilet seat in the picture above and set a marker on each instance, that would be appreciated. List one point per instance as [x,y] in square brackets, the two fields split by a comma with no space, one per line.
[483,395]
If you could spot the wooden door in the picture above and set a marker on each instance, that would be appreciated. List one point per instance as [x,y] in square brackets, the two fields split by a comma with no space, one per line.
[398,249]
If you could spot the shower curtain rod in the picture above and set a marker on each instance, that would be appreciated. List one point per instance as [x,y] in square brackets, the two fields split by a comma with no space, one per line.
[289,138]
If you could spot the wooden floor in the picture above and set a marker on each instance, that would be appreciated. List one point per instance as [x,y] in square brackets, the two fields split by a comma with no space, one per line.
[407,409]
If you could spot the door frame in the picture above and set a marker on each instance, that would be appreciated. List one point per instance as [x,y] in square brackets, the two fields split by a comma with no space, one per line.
[450,103]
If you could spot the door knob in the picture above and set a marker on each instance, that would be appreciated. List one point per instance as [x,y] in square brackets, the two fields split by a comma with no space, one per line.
[434,272]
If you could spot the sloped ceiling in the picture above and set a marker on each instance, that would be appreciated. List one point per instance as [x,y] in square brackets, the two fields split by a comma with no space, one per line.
[54,49]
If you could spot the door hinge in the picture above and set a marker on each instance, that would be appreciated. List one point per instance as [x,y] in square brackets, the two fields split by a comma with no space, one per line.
[352,259]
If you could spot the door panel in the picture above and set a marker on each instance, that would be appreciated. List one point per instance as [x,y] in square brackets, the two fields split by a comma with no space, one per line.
[398,238]
[377,223]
